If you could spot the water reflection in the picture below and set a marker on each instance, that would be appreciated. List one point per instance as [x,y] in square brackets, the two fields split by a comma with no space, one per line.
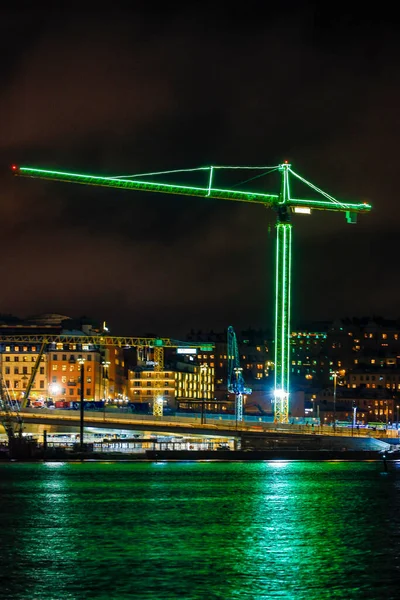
[254,531]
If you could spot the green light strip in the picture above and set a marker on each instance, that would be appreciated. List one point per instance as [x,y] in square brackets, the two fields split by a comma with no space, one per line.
[289,313]
[277,289]
[255,197]
[282,321]
[283,309]
[210,181]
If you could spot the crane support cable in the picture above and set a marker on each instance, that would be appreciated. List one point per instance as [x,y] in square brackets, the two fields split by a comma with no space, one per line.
[317,189]
[160,173]
[192,170]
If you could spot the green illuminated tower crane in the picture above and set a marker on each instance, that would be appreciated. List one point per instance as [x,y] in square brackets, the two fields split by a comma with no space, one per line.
[283,203]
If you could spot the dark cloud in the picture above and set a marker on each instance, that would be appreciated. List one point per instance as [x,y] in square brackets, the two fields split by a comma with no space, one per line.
[134,92]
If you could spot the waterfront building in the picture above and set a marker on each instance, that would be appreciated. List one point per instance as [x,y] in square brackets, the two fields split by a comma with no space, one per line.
[58,377]
[16,364]
[181,385]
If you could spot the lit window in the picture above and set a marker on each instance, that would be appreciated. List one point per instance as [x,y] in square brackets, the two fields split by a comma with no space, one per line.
[8,349]
[54,367]
[64,379]
[16,348]
[63,367]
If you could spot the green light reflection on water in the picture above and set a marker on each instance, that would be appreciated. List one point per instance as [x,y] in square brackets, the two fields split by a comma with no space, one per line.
[200,530]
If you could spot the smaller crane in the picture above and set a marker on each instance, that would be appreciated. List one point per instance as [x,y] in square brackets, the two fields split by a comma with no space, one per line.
[236,383]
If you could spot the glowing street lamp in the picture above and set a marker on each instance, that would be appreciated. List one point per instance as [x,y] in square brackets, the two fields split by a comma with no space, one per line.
[334,375]
[81,362]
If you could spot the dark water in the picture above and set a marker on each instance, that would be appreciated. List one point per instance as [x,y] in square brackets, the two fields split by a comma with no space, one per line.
[203,530]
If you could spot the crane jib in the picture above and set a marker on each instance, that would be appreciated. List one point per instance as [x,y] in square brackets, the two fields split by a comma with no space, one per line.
[269,200]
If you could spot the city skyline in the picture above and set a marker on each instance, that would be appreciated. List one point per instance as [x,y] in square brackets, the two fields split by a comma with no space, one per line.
[189,92]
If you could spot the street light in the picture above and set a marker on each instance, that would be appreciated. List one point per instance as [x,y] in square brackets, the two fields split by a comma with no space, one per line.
[81,362]
[203,385]
[105,364]
[334,375]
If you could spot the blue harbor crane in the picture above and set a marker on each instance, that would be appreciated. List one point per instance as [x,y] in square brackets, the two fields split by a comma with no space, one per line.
[236,384]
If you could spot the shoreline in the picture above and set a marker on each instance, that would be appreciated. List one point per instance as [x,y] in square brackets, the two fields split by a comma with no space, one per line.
[212,455]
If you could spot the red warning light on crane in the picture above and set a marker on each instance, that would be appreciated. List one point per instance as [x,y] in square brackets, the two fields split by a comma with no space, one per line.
[14,167]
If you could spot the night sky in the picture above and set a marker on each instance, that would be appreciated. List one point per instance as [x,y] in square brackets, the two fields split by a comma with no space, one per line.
[125,92]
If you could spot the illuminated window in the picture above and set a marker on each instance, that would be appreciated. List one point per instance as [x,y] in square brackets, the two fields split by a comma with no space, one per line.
[25,348]
[16,348]
[63,367]
[8,349]
[64,379]
[54,367]
[72,367]
[384,336]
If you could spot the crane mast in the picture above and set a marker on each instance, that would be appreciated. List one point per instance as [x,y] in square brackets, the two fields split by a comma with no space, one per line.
[236,384]
[283,203]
